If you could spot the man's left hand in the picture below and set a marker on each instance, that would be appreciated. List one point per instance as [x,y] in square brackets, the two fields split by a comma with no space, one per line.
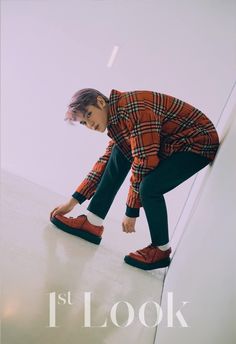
[128,224]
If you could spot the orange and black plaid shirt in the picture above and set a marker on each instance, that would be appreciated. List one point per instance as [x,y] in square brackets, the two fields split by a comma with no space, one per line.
[148,127]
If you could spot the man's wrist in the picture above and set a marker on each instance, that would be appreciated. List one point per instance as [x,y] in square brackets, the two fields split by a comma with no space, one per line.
[73,201]
[132,212]
[79,197]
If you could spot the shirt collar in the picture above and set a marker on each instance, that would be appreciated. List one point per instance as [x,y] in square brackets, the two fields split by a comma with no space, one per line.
[113,107]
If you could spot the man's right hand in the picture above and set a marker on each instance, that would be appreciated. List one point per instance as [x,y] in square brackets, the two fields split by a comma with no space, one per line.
[64,208]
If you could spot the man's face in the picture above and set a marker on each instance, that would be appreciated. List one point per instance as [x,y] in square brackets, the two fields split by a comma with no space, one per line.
[95,118]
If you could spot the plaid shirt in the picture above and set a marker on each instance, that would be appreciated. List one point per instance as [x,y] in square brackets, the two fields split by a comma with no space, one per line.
[148,127]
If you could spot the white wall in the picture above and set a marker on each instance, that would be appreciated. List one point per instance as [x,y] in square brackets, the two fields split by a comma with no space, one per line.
[202,271]
[200,178]
[52,48]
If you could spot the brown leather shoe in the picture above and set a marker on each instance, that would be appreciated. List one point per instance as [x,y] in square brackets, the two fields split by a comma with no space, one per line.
[149,258]
[79,226]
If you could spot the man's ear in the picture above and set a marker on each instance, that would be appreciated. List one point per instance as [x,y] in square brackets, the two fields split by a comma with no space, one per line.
[100,101]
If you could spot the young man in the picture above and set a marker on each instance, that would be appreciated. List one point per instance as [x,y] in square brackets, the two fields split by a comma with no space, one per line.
[162,139]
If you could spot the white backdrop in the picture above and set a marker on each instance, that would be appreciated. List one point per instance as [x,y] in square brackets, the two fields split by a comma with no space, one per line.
[52,48]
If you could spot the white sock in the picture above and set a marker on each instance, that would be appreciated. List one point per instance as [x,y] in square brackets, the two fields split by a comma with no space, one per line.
[94,219]
[164,247]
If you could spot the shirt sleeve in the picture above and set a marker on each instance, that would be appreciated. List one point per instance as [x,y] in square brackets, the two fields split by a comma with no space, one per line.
[144,126]
[88,187]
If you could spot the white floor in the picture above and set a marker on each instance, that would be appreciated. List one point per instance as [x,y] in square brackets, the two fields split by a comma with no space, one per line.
[38,259]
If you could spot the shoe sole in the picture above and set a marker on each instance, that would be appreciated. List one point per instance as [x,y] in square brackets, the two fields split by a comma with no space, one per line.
[145,266]
[76,231]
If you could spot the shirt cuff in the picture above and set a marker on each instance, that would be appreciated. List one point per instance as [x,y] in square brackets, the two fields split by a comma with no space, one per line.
[80,198]
[132,212]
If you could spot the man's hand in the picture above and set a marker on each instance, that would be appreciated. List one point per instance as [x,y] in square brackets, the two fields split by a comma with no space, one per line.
[64,208]
[128,224]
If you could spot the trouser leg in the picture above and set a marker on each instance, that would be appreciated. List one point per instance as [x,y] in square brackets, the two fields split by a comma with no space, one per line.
[166,176]
[114,175]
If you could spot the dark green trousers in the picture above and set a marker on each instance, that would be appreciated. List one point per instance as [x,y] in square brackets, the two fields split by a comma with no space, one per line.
[166,176]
